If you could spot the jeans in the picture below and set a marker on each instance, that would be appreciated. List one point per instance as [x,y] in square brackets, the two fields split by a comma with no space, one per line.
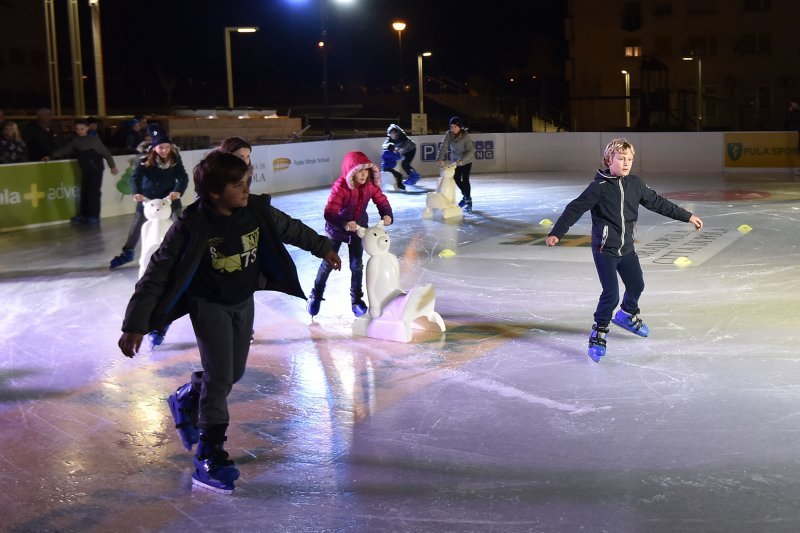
[355,250]
[630,271]
[462,179]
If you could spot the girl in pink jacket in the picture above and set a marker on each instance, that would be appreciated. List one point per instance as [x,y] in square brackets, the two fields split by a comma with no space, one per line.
[346,209]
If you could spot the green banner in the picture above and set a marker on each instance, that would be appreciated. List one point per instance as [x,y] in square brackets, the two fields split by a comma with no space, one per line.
[35,193]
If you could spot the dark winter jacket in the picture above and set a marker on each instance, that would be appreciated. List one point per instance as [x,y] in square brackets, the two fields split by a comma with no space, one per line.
[41,142]
[389,159]
[157,181]
[160,295]
[12,151]
[349,202]
[89,151]
[614,203]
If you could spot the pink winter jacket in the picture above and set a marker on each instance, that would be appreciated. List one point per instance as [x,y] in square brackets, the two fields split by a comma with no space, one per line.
[349,202]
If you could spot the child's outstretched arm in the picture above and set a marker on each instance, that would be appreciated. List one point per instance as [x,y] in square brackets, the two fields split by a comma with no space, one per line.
[695,220]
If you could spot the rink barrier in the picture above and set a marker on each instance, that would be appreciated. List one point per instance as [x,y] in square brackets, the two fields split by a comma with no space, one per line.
[42,193]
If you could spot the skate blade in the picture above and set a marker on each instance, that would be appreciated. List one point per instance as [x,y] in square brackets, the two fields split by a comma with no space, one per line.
[211,488]
[640,332]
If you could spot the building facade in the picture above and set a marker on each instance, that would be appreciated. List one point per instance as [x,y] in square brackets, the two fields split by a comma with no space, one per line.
[743,54]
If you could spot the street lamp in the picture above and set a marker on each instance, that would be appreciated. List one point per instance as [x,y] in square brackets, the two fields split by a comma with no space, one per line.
[228,30]
[399,26]
[627,98]
[421,80]
[98,58]
[699,89]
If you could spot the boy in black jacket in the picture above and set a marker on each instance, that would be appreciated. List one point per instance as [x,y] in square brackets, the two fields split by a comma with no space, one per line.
[224,247]
[614,198]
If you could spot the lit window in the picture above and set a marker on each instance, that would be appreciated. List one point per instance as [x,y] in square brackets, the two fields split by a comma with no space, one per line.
[633,51]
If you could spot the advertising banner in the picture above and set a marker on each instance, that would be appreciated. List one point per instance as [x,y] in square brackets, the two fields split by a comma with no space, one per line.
[37,193]
[769,149]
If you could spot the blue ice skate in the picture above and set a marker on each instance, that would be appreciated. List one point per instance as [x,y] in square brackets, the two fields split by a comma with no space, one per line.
[631,322]
[212,468]
[122,259]
[156,337]
[597,342]
[359,307]
[184,404]
[413,178]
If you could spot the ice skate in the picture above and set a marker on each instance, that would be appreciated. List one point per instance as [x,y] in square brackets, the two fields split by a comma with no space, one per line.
[597,342]
[413,178]
[314,302]
[183,404]
[359,307]
[124,258]
[213,470]
[631,322]
[468,204]
[156,337]
[463,201]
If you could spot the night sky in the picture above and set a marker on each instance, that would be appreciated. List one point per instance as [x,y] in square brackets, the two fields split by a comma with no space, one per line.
[180,44]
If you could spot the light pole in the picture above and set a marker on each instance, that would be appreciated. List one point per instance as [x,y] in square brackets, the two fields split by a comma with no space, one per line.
[699,89]
[399,26]
[627,98]
[52,57]
[228,30]
[97,44]
[421,80]
[75,53]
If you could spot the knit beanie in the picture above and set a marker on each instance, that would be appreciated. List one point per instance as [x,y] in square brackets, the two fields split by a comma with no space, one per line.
[160,137]
[457,121]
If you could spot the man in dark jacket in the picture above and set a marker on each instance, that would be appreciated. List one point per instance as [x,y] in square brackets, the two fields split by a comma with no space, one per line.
[40,137]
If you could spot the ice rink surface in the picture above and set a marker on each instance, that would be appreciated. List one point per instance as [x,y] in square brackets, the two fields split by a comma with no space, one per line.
[501,424]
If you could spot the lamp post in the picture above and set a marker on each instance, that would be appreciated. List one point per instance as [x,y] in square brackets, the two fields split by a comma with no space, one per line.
[75,53]
[627,98]
[322,44]
[228,30]
[52,57]
[399,26]
[421,80]
[699,89]
[97,44]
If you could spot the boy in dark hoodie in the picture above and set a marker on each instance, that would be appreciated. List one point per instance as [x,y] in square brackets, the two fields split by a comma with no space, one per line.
[346,209]
[90,152]
[223,248]
[614,198]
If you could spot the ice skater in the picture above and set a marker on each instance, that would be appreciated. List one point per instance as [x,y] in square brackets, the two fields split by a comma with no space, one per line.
[160,173]
[458,148]
[389,159]
[224,247]
[90,153]
[405,147]
[346,209]
[614,198]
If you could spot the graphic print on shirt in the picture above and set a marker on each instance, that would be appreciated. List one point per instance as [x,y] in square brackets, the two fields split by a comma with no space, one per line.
[235,262]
